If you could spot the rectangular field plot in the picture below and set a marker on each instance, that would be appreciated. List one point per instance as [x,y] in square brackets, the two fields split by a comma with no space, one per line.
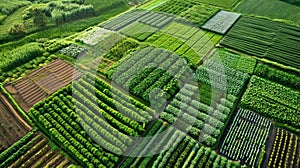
[275,41]
[169,147]
[285,150]
[12,127]
[157,20]
[246,138]
[274,101]
[221,22]
[42,82]
[33,150]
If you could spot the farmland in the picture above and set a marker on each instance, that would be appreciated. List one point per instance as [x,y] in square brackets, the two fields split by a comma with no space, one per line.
[275,101]
[247,137]
[149,83]
[32,150]
[285,151]
[13,127]
[265,39]
[44,81]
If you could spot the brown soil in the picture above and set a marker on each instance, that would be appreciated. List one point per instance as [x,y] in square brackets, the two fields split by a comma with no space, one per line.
[42,82]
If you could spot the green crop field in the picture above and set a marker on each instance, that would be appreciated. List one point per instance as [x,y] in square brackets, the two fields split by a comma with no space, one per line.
[149,83]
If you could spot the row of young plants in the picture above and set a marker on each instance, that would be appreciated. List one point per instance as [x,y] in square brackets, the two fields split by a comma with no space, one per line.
[77,117]
[273,100]
[222,77]
[204,122]
[285,151]
[144,70]
[41,154]
[169,147]
[247,137]
[16,150]
[277,75]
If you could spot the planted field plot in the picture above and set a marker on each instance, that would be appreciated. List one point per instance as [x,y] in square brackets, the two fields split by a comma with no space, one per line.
[226,79]
[194,12]
[92,122]
[263,38]
[73,51]
[150,68]
[273,100]
[157,20]
[275,9]
[42,82]
[204,122]
[246,138]
[239,62]
[279,76]
[285,150]
[169,147]
[12,126]
[94,36]
[32,150]
[221,22]
[185,40]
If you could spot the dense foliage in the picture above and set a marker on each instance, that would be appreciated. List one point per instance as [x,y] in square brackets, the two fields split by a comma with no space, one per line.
[273,100]
[280,76]
[19,56]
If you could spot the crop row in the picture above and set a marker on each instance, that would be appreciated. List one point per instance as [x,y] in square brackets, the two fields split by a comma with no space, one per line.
[151,68]
[173,149]
[74,116]
[282,77]
[239,62]
[266,39]
[203,122]
[246,138]
[273,100]
[285,151]
[227,79]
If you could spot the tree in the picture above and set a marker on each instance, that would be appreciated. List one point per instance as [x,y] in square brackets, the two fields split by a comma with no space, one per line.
[39,17]
[17,28]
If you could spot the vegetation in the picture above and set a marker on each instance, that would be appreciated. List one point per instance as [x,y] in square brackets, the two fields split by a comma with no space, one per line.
[285,150]
[265,39]
[276,75]
[246,128]
[273,100]
[176,150]
[221,22]
[275,9]
[64,118]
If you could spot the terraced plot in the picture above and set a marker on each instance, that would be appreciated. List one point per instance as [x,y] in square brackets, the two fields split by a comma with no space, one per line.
[42,82]
[12,126]
[33,150]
